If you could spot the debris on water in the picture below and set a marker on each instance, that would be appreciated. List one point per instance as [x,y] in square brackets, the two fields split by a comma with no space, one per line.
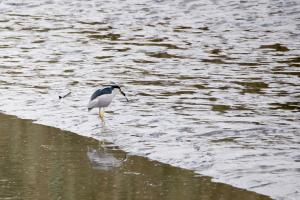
[64,95]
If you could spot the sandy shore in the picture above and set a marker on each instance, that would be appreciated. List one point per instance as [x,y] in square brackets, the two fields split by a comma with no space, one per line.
[41,162]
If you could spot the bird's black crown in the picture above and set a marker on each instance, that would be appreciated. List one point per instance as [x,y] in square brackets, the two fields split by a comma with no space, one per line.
[115,87]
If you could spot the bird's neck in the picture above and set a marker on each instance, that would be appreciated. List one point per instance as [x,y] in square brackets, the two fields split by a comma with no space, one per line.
[114,92]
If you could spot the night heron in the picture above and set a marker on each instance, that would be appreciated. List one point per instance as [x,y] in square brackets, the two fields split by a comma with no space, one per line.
[101,98]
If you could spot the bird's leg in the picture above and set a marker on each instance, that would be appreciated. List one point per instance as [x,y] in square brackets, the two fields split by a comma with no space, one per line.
[101,113]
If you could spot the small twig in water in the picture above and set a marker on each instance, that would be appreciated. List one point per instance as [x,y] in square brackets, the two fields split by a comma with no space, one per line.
[65,95]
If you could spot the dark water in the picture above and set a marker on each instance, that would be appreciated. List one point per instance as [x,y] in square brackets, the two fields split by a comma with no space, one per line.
[40,162]
[214,86]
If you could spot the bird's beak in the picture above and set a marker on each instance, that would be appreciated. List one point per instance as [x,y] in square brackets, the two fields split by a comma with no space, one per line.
[124,95]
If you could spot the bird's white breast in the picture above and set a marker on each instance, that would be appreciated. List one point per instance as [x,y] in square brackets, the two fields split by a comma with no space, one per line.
[103,100]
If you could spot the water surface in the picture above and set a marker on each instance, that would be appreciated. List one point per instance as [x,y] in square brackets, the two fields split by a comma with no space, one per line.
[214,85]
[40,162]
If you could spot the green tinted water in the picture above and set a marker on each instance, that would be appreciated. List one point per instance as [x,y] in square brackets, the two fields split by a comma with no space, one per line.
[41,162]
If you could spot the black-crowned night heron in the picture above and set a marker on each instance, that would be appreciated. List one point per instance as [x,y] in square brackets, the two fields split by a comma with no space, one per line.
[101,98]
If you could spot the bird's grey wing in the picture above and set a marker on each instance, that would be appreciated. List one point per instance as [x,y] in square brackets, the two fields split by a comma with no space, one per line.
[100,92]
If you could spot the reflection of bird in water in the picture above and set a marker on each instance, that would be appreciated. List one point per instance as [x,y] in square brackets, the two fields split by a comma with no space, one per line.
[103,160]
[101,98]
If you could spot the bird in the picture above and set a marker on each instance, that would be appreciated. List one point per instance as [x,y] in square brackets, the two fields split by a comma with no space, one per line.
[101,98]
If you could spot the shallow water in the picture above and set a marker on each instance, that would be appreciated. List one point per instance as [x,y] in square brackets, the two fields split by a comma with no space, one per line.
[214,85]
[40,162]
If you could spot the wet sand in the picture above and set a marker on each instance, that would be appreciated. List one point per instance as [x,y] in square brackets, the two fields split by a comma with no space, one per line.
[41,162]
